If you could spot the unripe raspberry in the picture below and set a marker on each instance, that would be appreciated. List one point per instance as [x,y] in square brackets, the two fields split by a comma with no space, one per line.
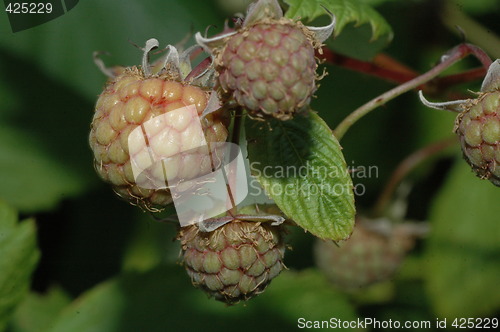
[128,102]
[478,125]
[367,257]
[268,64]
[235,261]
[478,128]
[270,68]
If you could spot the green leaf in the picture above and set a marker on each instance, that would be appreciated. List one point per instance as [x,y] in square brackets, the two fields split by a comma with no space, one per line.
[38,311]
[463,251]
[354,41]
[164,300]
[18,258]
[375,3]
[300,165]
[32,180]
[346,11]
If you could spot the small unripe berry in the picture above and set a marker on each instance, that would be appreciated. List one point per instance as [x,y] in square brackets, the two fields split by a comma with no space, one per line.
[269,68]
[234,262]
[478,128]
[367,257]
[267,64]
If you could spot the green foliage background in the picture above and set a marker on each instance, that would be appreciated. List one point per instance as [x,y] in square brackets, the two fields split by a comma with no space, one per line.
[102,265]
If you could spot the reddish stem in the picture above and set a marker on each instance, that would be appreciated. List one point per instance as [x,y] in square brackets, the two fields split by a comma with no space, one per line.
[475,74]
[387,68]
[195,53]
[400,75]
[200,68]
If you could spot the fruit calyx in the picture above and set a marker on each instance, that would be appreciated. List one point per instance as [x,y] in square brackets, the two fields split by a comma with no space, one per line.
[266,11]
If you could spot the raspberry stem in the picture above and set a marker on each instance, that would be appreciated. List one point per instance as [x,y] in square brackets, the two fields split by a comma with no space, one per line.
[453,56]
[467,76]
[235,139]
[454,16]
[406,166]
[389,69]
[399,75]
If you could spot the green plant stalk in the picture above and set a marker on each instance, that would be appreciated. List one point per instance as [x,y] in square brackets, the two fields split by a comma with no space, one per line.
[235,139]
[457,53]
[453,16]
[406,166]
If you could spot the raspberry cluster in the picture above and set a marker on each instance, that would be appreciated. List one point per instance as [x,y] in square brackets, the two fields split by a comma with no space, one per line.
[153,123]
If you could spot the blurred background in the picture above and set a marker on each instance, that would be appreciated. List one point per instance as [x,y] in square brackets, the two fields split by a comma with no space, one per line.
[103,265]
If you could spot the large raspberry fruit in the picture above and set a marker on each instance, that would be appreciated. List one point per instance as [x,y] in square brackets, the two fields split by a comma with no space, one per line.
[128,102]
[234,262]
[478,128]
[268,64]
[367,257]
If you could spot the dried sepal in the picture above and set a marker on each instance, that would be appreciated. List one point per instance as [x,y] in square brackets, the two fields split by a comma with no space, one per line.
[261,10]
[213,105]
[451,106]
[151,44]
[265,11]
[212,224]
[172,61]
[110,72]
[492,80]
[323,33]
[213,43]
